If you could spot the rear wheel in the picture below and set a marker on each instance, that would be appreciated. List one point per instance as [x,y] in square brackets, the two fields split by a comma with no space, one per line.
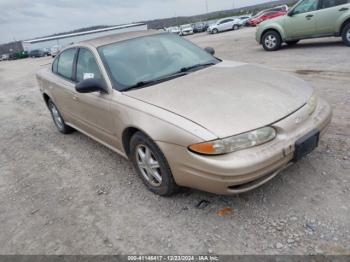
[292,42]
[346,34]
[271,41]
[151,165]
[58,119]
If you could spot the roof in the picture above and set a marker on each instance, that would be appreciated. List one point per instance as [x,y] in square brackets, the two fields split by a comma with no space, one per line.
[32,41]
[109,39]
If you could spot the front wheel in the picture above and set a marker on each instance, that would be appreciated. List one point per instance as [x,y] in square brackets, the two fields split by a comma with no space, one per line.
[151,165]
[215,31]
[346,34]
[58,119]
[271,41]
[235,27]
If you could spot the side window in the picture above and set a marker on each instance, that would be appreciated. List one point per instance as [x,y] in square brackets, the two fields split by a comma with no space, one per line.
[306,6]
[87,66]
[331,3]
[54,65]
[225,21]
[65,63]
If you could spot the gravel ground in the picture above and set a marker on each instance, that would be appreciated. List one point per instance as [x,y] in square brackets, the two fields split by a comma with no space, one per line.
[70,195]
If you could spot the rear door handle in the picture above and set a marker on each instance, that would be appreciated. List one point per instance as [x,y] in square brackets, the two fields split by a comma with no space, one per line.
[75,98]
[309,16]
[343,9]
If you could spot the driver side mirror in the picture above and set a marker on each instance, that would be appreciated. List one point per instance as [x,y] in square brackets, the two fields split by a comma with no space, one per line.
[90,85]
[290,13]
[210,50]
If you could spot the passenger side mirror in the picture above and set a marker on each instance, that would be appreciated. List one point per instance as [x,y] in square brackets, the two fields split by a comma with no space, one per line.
[91,85]
[210,50]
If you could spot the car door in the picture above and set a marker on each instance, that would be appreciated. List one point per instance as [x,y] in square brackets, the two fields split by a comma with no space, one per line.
[301,21]
[93,108]
[228,24]
[330,12]
[224,25]
[63,87]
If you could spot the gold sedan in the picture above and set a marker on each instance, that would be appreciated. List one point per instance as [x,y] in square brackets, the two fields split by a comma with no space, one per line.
[181,115]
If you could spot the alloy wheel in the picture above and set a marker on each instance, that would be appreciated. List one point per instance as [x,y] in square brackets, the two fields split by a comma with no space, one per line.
[348,35]
[270,41]
[148,165]
[56,116]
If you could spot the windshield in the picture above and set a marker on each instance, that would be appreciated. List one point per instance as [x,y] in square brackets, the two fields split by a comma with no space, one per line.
[149,58]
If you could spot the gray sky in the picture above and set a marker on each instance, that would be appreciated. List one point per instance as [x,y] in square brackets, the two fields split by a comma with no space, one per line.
[23,19]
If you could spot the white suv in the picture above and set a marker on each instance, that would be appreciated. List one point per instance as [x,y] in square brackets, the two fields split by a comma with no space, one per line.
[224,25]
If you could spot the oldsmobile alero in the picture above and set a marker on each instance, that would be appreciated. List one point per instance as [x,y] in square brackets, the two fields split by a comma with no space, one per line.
[181,115]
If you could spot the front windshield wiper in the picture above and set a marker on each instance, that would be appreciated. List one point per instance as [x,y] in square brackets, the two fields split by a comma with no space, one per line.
[189,68]
[154,81]
[183,71]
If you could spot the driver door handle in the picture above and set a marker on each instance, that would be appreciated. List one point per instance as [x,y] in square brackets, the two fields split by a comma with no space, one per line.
[343,9]
[309,16]
[75,98]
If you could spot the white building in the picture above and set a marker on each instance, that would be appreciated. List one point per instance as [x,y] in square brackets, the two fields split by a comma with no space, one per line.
[63,40]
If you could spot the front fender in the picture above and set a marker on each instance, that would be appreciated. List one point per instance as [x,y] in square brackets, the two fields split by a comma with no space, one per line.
[341,21]
[159,124]
[264,27]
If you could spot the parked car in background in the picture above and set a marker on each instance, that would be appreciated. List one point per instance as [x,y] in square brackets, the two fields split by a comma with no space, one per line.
[174,30]
[265,16]
[243,20]
[55,50]
[224,24]
[36,53]
[307,19]
[4,57]
[182,116]
[186,30]
[18,55]
[200,27]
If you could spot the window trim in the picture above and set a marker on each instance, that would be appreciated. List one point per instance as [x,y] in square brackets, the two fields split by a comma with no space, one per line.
[52,65]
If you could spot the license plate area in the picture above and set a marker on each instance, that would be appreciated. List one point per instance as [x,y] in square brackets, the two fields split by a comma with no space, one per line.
[306,144]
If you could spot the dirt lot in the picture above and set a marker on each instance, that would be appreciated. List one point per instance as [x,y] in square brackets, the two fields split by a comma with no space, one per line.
[70,195]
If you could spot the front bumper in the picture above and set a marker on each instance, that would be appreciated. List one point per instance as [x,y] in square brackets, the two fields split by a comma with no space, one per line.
[246,169]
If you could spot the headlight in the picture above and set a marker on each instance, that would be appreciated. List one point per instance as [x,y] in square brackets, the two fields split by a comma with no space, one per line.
[234,143]
[312,104]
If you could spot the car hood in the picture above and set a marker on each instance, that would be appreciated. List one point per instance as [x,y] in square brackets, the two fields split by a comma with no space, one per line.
[229,98]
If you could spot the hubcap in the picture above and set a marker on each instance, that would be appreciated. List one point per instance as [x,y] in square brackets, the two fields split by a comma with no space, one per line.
[148,165]
[348,35]
[270,41]
[56,116]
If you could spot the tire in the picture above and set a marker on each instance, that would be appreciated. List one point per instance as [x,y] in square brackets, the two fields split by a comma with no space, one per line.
[157,179]
[235,27]
[346,34]
[292,42]
[215,31]
[271,41]
[58,119]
